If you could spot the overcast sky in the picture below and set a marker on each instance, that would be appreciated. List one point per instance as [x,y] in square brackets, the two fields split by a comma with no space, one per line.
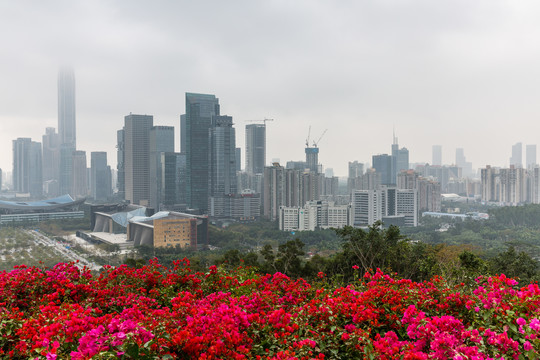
[456,73]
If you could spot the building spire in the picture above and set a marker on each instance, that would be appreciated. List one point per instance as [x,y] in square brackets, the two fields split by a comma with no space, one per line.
[394,135]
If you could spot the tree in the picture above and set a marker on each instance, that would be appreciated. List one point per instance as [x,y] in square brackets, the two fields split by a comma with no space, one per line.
[514,264]
[289,259]
[375,248]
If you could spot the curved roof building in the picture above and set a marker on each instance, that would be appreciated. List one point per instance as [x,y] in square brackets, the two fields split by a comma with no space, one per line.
[61,203]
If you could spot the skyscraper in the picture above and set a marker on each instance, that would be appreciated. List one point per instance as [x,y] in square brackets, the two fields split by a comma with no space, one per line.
[312,159]
[51,155]
[461,161]
[356,169]
[172,167]
[101,175]
[436,158]
[517,159]
[531,155]
[27,167]
[183,134]
[66,168]
[238,159]
[66,107]
[137,158]
[400,160]
[79,185]
[161,141]
[66,128]
[222,177]
[200,108]
[255,148]
[120,167]
[222,166]
[384,165]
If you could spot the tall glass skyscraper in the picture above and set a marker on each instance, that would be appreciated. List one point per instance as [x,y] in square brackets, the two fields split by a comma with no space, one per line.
[66,127]
[200,109]
[100,175]
[66,107]
[27,167]
[120,167]
[255,148]
[137,158]
[222,177]
[161,141]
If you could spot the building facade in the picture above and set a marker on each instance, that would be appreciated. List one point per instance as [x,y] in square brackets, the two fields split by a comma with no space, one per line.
[137,158]
[27,167]
[101,183]
[79,185]
[67,129]
[51,159]
[200,109]
[255,148]
[161,141]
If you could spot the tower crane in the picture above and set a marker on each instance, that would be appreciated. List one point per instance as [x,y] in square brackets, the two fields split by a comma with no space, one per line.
[316,143]
[308,134]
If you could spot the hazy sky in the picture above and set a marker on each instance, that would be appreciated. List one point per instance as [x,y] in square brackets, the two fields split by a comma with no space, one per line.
[456,73]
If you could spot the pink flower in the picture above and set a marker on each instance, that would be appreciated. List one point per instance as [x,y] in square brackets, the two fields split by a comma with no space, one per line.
[527,346]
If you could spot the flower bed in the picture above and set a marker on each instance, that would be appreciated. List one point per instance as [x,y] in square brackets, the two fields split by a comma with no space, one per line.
[159,313]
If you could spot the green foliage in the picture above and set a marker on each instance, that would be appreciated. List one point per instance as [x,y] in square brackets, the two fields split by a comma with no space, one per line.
[373,248]
[514,264]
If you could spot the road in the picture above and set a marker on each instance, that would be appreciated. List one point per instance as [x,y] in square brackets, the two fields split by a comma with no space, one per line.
[60,248]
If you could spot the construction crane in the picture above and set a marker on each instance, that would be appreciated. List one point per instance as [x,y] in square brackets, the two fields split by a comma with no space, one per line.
[263,121]
[308,134]
[316,143]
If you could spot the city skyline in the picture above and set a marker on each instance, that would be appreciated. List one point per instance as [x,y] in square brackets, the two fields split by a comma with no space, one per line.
[454,74]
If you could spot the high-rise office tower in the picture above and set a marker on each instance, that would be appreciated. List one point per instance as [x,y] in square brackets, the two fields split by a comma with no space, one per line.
[51,155]
[356,169]
[312,159]
[66,128]
[36,170]
[400,160]
[137,158]
[517,159]
[255,148]
[183,134]
[384,165]
[161,141]
[461,161]
[222,177]
[27,167]
[21,164]
[66,107]
[100,176]
[238,159]
[79,185]
[120,167]
[172,167]
[531,155]
[436,152]
[200,109]
[66,168]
